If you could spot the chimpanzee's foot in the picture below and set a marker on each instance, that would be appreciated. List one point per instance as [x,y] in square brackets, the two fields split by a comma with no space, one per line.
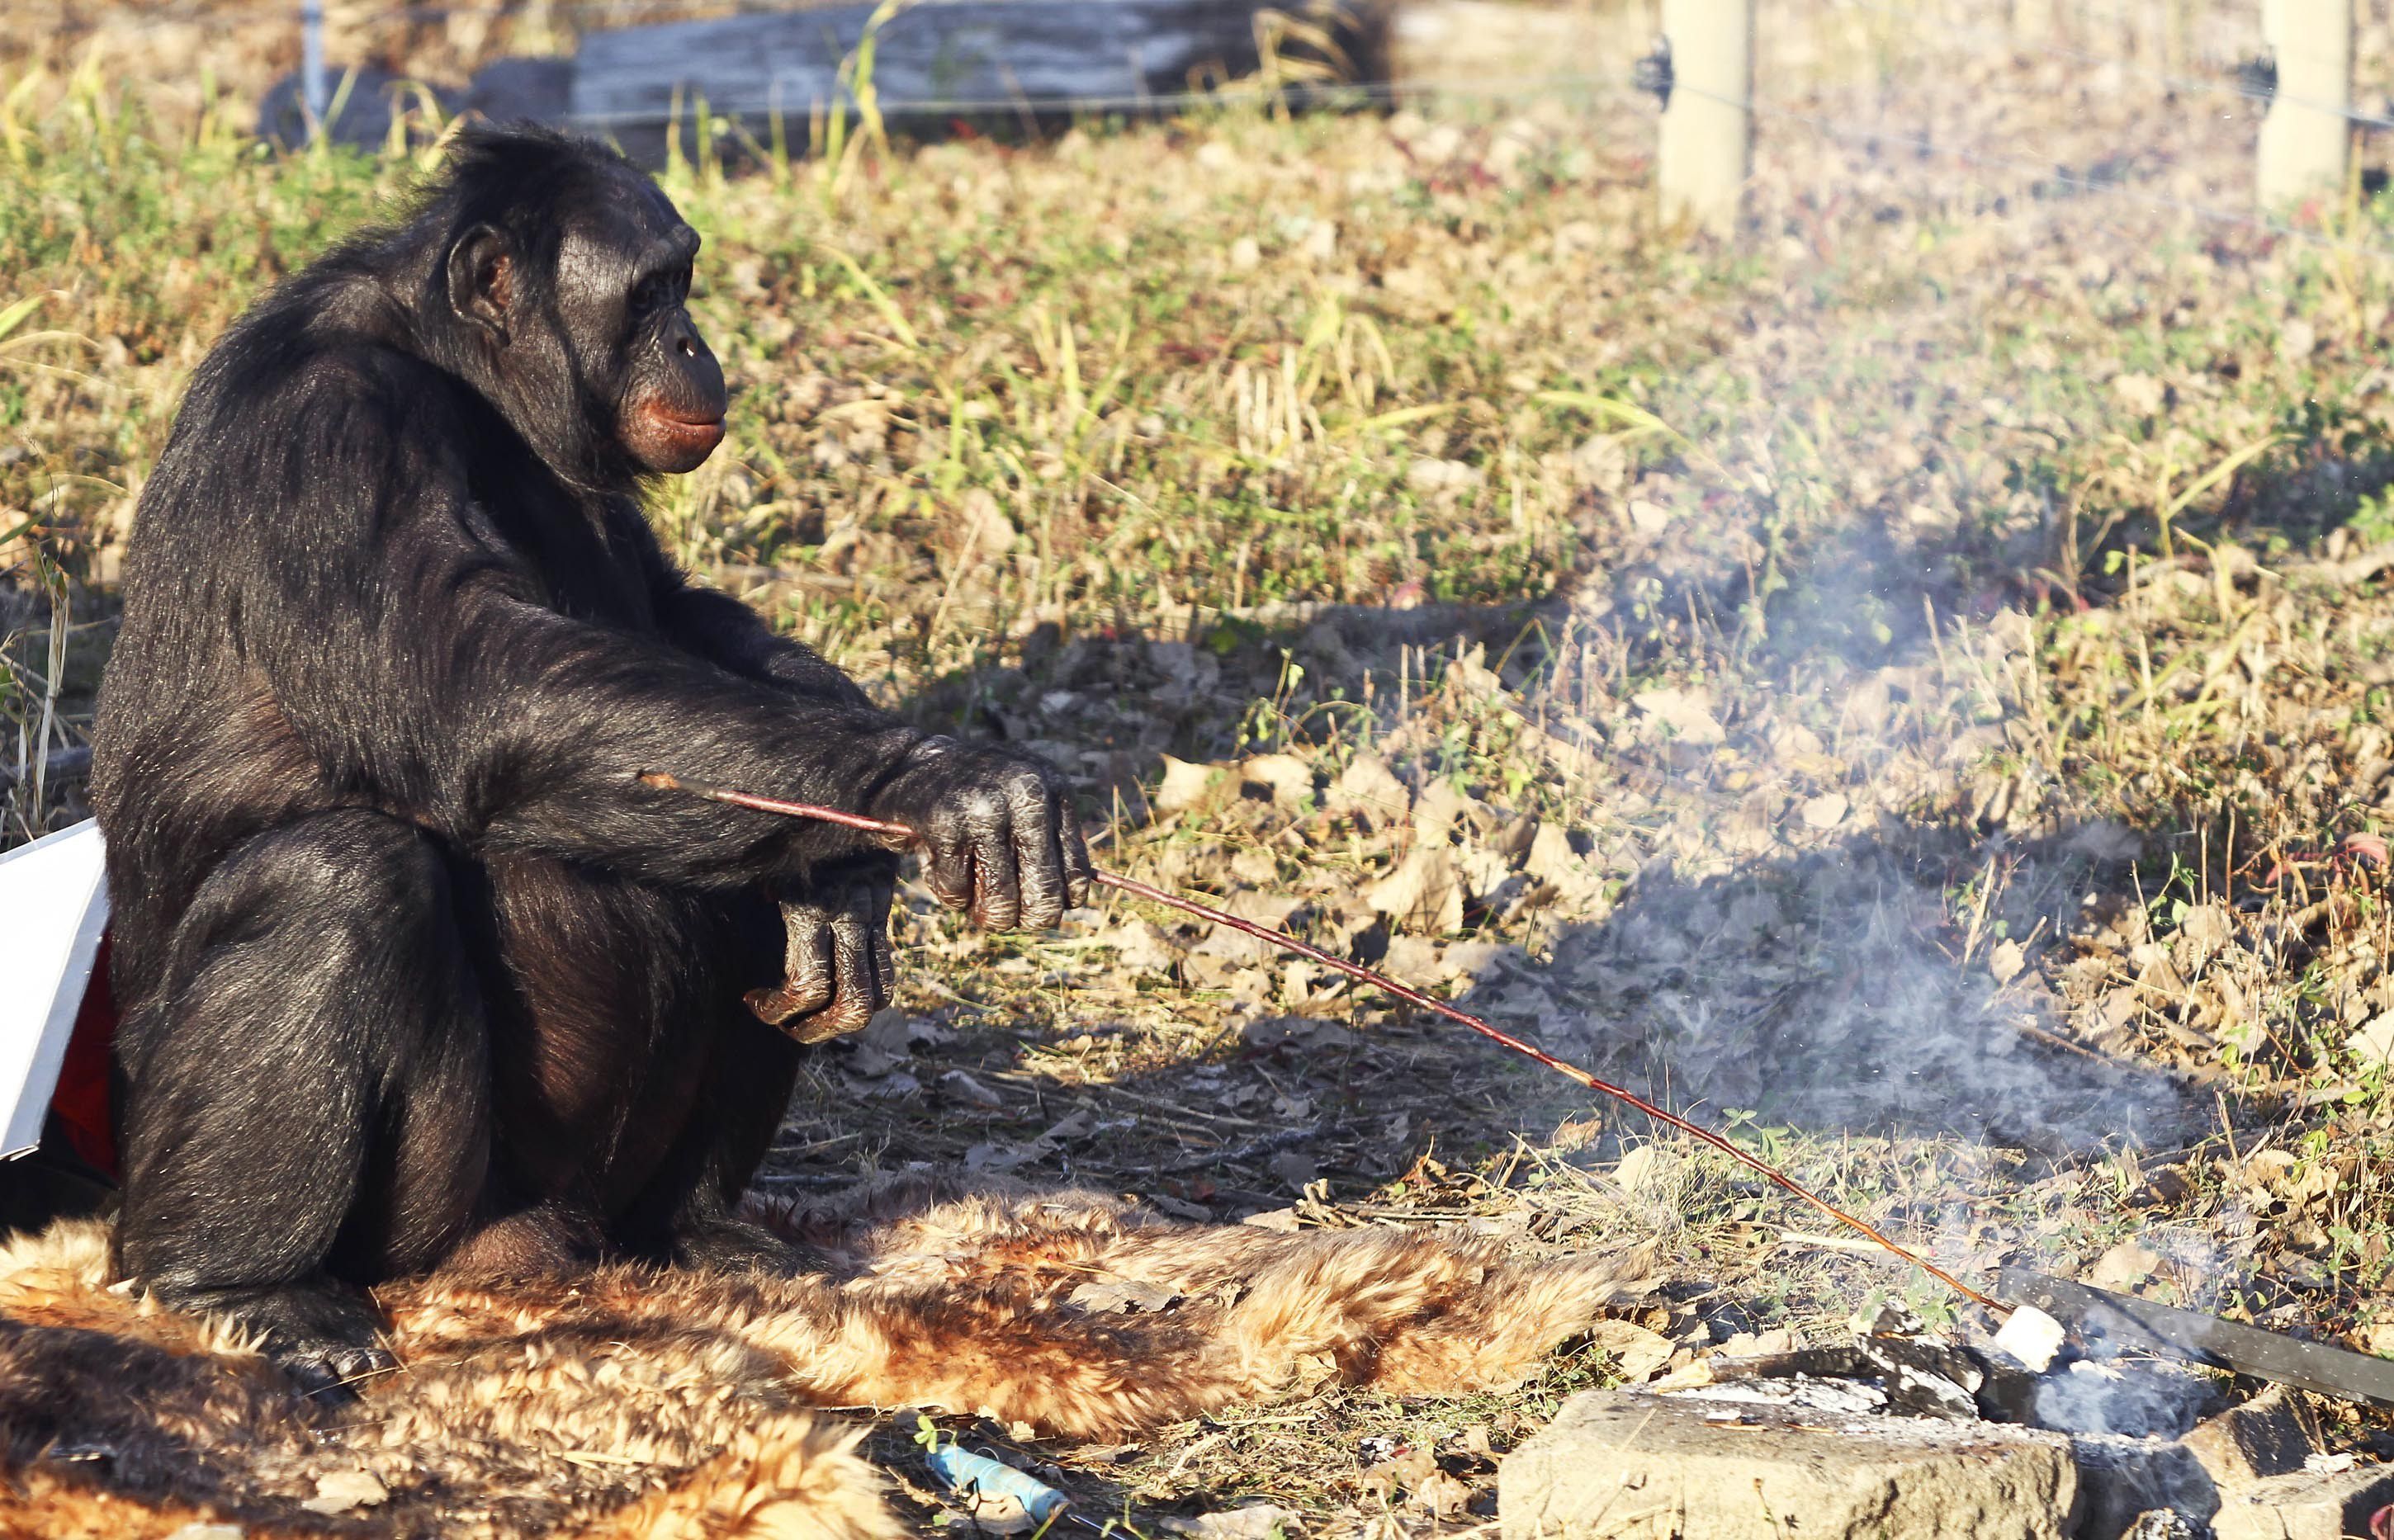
[326,1338]
[735,1246]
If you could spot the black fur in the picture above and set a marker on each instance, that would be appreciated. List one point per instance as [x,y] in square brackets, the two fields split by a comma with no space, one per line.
[414,968]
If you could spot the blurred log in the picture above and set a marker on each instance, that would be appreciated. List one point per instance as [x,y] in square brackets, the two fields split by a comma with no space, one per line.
[996,60]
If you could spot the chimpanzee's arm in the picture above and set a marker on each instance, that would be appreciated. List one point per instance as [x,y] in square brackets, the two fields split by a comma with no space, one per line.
[735,637]
[411,648]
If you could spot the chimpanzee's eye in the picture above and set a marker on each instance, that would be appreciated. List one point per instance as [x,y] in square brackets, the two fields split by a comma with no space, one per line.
[647,294]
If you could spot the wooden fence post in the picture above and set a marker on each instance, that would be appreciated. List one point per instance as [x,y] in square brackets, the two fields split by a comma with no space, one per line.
[2306,138]
[1707,148]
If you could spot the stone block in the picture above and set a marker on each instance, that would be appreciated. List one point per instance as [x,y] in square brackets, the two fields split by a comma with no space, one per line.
[2305,1506]
[1630,1466]
[2122,1479]
[2271,1435]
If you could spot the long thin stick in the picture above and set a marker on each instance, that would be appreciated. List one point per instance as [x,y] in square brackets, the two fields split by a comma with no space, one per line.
[1497,1035]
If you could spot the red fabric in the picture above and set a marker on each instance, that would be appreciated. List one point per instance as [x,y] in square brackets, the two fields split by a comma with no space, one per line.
[81,1100]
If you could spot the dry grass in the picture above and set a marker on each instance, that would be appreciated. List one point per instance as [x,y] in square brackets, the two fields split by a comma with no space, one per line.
[1913,690]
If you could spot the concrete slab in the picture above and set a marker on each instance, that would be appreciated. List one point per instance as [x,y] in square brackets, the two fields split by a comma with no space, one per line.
[2305,1506]
[1628,1465]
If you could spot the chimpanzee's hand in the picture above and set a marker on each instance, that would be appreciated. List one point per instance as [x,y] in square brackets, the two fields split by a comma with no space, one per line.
[999,839]
[838,970]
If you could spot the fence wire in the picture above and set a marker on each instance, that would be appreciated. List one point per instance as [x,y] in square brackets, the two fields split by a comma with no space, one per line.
[1850,132]
[1584,86]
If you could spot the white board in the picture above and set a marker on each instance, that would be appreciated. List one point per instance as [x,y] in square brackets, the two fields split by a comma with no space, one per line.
[53,908]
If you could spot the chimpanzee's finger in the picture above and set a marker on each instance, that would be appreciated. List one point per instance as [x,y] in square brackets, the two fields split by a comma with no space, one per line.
[947,860]
[856,993]
[997,886]
[1038,857]
[885,961]
[1080,873]
[806,983]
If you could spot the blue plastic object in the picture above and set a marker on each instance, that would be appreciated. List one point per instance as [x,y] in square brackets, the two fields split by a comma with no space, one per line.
[964,1471]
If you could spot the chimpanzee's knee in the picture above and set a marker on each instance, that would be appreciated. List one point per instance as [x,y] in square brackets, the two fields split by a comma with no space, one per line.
[305,1093]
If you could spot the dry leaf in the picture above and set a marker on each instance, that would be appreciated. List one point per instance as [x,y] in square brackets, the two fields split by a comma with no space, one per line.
[1367,784]
[1424,893]
[1436,813]
[2373,1044]
[339,1491]
[1641,1353]
[1684,717]
[1260,1521]
[2006,961]
[1184,785]
[1443,1495]
[1287,778]
[1825,812]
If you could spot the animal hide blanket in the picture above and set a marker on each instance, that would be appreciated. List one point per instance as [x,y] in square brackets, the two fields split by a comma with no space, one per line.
[657,1403]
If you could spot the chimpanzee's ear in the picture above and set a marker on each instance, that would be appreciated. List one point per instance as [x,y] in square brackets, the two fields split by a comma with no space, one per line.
[482,281]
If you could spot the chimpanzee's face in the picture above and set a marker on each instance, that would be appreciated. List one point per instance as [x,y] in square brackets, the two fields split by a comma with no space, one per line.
[588,315]
[623,269]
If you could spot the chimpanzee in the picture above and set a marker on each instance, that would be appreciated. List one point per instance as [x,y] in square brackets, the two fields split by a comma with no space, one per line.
[415,970]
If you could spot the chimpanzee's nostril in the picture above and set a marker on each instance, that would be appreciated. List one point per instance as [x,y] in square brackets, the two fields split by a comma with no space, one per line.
[688,350]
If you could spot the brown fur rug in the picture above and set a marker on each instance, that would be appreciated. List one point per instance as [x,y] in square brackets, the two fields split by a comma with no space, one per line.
[638,1401]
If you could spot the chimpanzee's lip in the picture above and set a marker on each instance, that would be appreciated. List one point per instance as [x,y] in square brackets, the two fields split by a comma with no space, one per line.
[692,430]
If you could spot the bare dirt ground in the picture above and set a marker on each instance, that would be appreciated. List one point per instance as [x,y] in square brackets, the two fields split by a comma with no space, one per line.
[1912,690]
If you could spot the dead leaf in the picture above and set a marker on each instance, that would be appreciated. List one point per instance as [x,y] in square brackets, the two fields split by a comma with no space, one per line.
[1683,716]
[1287,778]
[1825,812]
[2107,839]
[1436,813]
[1443,1495]
[1298,1170]
[1369,785]
[972,1091]
[1184,785]
[1641,1353]
[2373,1044]
[2123,1266]
[1138,944]
[339,1491]
[1423,893]
[1260,1521]
[2006,961]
